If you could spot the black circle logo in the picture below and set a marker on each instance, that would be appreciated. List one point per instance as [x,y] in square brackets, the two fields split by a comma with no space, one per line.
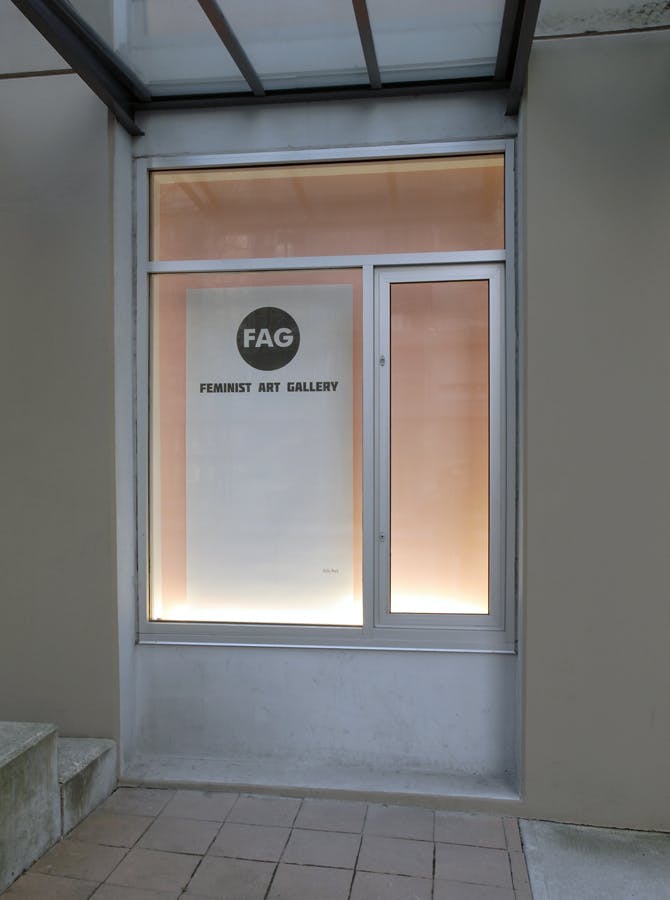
[268,338]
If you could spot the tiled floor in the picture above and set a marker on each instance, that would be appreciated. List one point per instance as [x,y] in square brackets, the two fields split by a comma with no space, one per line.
[145,844]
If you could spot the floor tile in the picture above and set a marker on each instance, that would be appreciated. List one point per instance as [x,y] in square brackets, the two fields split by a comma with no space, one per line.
[254,810]
[231,879]
[400,821]
[519,871]
[373,886]
[250,842]
[155,870]
[477,865]
[137,801]
[310,883]
[33,886]
[512,834]
[75,859]
[457,890]
[213,806]
[470,828]
[332,849]
[396,856]
[115,892]
[331,815]
[179,835]
[111,829]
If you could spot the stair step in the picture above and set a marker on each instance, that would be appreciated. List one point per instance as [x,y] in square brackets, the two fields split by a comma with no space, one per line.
[86,775]
[30,819]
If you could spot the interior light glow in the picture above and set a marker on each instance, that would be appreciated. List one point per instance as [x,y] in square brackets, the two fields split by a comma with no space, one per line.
[344,611]
[440,605]
[268,173]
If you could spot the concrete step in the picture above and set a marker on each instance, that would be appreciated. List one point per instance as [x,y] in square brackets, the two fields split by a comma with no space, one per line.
[30,819]
[86,776]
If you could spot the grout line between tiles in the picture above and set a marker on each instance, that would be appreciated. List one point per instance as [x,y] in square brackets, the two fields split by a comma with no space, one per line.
[184,889]
[360,847]
[271,882]
[288,838]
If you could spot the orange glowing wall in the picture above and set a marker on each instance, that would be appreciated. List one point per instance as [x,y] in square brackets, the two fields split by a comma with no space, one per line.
[439,447]
[330,209]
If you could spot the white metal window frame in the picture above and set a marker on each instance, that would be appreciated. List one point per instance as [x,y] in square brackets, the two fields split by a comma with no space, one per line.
[495,632]
[385,277]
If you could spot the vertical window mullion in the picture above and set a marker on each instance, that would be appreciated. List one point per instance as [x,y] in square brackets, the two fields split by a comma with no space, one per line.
[369,456]
[382,364]
[497,438]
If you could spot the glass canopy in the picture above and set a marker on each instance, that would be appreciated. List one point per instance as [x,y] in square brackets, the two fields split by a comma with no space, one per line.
[156,54]
[432,39]
[174,48]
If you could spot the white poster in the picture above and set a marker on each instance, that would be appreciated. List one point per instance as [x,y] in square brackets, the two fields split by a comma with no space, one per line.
[269,454]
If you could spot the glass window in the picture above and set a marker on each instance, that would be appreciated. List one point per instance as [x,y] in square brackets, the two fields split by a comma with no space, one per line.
[256,447]
[440,447]
[330,209]
[327,427]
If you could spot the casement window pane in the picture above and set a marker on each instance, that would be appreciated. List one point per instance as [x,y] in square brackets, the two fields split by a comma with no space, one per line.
[256,483]
[440,447]
[330,209]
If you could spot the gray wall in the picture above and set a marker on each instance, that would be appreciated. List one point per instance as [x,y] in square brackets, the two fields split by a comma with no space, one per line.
[58,631]
[597,430]
[390,713]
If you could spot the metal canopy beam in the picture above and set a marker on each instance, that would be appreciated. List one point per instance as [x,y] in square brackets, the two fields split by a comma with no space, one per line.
[367,42]
[303,95]
[509,34]
[529,15]
[220,24]
[90,57]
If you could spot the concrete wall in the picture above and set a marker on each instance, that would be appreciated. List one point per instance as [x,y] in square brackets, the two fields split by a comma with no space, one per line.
[392,713]
[597,430]
[58,631]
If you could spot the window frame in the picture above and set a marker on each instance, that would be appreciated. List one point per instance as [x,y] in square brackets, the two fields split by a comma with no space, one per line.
[493,633]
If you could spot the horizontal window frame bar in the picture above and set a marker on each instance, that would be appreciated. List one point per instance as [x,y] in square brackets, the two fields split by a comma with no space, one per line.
[311,638]
[150,640]
[328,154]
[354,261]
